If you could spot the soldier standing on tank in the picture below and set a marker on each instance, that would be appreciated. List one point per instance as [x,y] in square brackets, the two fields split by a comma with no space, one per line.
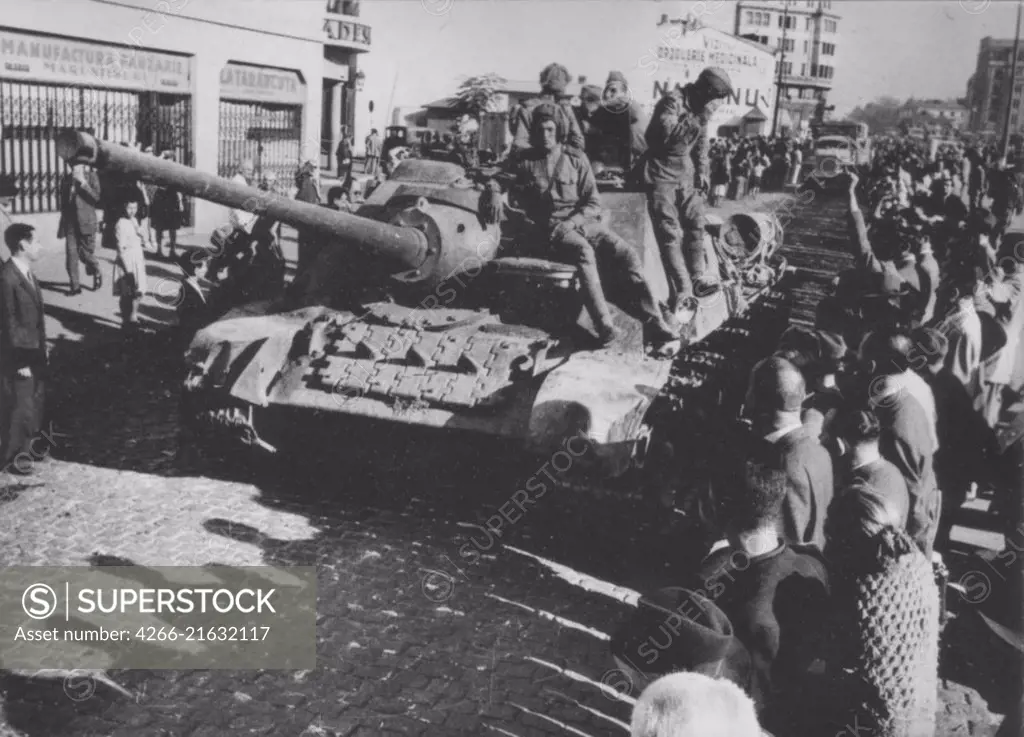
[553,80]
[676,173]
[557,190]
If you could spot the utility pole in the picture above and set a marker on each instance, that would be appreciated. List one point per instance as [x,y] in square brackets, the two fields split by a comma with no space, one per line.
[782,66]
[1012,84]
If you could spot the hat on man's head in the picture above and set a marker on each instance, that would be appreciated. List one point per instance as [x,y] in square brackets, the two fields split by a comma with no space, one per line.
[717,80]
[675,629]
[554,78]
[591,93]
[543,112]
[616,77]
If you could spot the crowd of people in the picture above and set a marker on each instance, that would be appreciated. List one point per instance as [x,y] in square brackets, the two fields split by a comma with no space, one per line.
[818,603]
[861,437]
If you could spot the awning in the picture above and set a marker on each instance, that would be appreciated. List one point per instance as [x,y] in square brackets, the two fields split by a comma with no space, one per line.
[754,115]
[334,70]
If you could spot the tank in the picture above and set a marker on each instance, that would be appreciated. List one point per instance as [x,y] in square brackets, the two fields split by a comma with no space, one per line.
[415,316]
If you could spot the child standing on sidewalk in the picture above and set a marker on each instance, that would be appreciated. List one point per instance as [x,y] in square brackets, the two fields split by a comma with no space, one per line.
[130,266]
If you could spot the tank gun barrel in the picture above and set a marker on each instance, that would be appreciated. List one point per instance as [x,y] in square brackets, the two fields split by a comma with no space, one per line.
[406,247]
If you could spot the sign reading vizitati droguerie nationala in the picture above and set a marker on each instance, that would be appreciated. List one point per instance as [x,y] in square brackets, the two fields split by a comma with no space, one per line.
[679,54]
[37,58]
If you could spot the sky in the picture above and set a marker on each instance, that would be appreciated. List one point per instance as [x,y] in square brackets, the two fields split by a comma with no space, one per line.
[422,49]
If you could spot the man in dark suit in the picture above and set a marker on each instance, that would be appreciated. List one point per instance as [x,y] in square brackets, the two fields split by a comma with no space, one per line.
[80,196]
[775,399]
[22,350]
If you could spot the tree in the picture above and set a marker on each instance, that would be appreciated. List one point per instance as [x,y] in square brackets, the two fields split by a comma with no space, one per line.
[476,95]
[880,114]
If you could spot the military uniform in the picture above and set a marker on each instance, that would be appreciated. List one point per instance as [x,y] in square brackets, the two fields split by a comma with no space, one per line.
[554,79]
[522,119]
[567,191]
[677,160]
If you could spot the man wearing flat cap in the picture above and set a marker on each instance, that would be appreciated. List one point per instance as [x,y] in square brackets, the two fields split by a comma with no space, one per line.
[618,127]
[554,78]
[676,173]
[558,194]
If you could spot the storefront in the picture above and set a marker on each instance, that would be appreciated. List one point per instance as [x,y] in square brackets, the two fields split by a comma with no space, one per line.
[49,84]
[261,120]
[345,37]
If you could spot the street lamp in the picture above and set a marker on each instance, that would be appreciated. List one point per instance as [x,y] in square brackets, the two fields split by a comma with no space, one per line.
[360,80]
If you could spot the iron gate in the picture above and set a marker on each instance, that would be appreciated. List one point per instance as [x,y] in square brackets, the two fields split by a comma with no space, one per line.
[32,115]
[268,135]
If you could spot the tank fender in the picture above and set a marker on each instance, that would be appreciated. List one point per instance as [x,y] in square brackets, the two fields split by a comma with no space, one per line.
[598,395]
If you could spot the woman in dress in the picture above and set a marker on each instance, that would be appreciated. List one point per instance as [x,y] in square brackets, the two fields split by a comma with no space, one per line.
[130,265]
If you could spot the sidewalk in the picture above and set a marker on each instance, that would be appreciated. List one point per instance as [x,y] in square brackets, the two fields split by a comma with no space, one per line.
[94,317]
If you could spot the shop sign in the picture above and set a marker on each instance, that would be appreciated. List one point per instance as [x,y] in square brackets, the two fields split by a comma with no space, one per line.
[47,59]
[262,84]
[340,30]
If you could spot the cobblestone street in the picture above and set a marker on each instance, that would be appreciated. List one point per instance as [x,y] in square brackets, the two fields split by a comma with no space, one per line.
[429,622]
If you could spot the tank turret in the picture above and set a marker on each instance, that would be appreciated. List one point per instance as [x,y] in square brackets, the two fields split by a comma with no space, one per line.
[420,241]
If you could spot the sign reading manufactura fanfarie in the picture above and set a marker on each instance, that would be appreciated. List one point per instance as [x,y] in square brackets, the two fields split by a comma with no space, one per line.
[65,61]
[158,618]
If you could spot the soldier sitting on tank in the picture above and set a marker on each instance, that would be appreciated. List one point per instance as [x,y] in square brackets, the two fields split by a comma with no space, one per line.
[617,128]
[557,191]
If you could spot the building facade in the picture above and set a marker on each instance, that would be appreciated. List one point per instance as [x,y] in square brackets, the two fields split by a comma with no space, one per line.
[939,114]
[346,36]
[806,33]
[989,89]
[683,49]
[212,82]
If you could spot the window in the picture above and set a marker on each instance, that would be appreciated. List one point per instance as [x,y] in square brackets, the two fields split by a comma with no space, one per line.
[787,68]
[807,24]
[790,45]
[764,40]
[767,19]
[780,21]
[750,18]
[803,71]
[814,70]
[805,47]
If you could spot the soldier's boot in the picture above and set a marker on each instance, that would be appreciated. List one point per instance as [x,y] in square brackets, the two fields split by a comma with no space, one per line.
[597,307]
[704,283]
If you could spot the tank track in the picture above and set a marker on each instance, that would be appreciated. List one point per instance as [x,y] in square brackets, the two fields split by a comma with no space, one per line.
[692,414]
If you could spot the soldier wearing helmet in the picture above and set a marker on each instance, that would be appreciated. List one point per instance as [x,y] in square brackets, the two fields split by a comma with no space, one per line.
[557,191]
[554,78]
[676,173]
